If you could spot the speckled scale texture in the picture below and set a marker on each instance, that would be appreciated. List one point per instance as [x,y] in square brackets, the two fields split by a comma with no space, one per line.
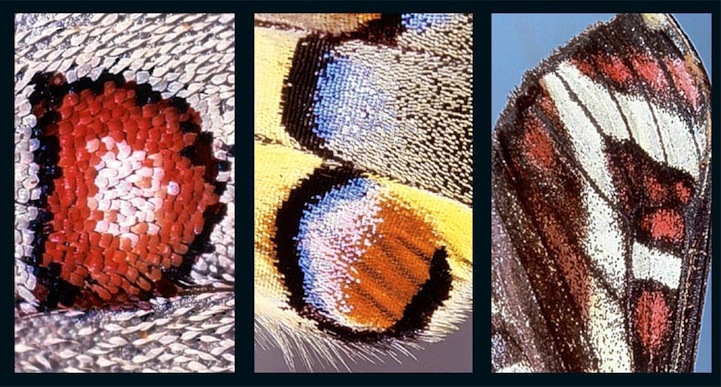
[184,55]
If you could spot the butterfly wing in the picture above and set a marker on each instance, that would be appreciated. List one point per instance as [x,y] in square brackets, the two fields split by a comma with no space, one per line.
[601,186]
[160,335]
[350,108]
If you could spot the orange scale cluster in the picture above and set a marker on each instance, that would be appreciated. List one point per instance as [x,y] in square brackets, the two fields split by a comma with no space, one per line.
[128,204]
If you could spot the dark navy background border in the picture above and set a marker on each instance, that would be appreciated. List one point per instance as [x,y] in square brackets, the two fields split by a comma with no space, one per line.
[244,174]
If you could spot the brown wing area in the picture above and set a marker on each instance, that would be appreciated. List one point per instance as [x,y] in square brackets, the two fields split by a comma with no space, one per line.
[692,290]
[519,336]
[333,23]
[536,191]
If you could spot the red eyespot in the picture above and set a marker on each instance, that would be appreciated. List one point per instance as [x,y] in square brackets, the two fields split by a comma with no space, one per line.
[128,192]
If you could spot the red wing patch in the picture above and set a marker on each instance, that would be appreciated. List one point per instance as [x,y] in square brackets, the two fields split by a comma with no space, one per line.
[654,195]
[652,315]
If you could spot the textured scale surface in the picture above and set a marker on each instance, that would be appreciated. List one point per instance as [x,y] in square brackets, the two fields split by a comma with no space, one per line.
[190,56]
[601,205]
[363,189]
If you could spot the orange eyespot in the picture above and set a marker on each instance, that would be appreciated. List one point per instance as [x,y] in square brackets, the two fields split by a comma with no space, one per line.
[358,262]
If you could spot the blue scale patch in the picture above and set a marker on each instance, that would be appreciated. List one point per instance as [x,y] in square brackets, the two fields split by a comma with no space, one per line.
[419,22]
[348,104]
[329,242]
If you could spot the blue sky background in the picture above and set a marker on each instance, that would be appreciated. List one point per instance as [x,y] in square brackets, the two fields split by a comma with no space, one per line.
[521,41]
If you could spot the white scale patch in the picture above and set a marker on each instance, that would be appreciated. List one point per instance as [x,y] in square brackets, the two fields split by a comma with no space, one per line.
[640,120]
[517,368]
[676,138]
[585,139]
[604,245]
[597,99]
[679,142]
[118,173]
[604,239]
[702,134]
[655,265]
[608,333]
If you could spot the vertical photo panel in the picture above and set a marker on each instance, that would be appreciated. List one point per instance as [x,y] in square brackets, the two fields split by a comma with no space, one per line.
[124,193]
[363,192]
[601,193]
